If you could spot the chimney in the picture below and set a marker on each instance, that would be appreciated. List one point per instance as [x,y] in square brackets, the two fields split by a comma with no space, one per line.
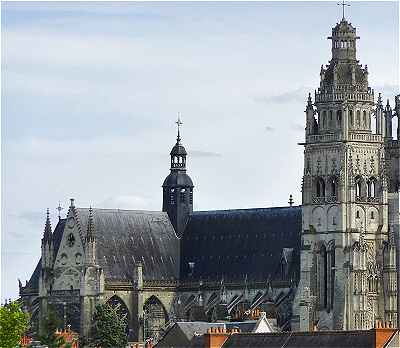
[384,332]
[217,336]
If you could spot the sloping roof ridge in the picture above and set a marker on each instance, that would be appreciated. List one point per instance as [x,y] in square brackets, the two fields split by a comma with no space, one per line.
[122,210]
[310,333]
[244,209]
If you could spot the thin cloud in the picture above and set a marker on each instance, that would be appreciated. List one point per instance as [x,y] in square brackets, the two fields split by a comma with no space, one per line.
[269,129]
[128,202]
[297,127]
[204,154]
[294,96]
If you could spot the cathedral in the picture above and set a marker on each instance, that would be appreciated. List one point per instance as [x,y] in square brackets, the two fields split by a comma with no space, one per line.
[327,264]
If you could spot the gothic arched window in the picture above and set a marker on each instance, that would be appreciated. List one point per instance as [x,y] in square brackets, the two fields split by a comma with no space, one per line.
[372,187]
[323,277]
[358,186]
[320,187]
[323,119]
[358,118]
[333,186]
[122,310]
[351,117]
[365,119]
[339,117]
[155,318]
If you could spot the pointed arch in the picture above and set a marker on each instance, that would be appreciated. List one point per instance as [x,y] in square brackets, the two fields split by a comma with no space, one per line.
[319,187]
[333,186]
[155,318]
[371,187]
[330,274]
[122,309]
[359,183]
[323,276]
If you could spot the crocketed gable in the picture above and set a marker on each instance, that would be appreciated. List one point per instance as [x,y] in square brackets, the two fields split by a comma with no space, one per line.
[231,244]
[125,237]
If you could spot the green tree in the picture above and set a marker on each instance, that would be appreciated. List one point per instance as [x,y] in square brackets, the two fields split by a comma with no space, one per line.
[108,328]
[13,324]
[50,325]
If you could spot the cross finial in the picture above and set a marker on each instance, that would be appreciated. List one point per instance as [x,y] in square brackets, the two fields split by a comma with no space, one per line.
[178,123]
[59,208]
[291,200]
[343,4]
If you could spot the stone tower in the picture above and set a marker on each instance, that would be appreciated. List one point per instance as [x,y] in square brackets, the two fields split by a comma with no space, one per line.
[347,260]
[178,188]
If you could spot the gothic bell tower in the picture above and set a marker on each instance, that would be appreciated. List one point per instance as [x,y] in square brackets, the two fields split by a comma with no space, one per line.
[346,277]
[178,188]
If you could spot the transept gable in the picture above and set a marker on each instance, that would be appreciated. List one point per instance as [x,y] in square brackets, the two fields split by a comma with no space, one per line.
[70,255]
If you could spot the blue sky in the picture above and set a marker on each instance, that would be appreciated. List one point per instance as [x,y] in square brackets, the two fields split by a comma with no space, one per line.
[90,93]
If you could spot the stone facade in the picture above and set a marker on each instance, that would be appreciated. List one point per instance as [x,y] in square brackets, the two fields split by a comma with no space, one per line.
[350,199]
[330,263]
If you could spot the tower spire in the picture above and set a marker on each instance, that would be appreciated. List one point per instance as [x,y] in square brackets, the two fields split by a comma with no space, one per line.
[343,4]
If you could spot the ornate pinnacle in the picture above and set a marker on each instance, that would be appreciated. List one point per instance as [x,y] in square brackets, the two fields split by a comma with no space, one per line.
[379,103]
[309,103]
[387,107]
[47,229]
[90,227]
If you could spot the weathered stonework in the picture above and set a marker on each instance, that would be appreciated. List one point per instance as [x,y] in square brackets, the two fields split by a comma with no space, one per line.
[350,195]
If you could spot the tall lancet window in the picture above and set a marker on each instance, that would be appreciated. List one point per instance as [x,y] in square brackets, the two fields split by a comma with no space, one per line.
[358,186]
[323,277]
[320,187]
[372,187]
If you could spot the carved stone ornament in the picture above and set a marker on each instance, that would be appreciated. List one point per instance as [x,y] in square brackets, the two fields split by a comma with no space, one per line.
[71,222]
[71,240]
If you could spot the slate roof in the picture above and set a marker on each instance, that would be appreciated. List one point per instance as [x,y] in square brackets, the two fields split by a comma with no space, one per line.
[326,339]
[178,178]
[33,283]
[233,243]
[182,333]
[124,237]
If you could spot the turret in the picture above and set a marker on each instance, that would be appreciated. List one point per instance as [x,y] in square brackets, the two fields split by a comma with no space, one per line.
[178,188]
[388,120]
[343,41]
[380,126]
[311,123]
